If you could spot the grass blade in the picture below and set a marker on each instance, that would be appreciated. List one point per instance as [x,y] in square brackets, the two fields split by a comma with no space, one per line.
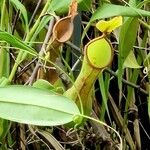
[117,10]
[22,9]
[15,42]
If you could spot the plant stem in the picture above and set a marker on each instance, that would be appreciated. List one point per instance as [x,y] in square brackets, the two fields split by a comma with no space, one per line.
[41,53]
[144,24]
[12,74]
[100,122]
[3,14]
[28,37]
[22,55]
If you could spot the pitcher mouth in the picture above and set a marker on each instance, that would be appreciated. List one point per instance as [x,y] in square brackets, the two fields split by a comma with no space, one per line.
[94,57]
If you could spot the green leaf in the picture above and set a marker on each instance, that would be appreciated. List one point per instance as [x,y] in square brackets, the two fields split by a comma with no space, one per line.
[4,128]
[103,90]
[43,84]
[128,35]
[127,40]
[15,42]
[131,62]
[30,105]
[63,6]
[117,10]
[51,139]
[4,62]
[41,25]
[133,3]
[22,9]
[59,7]
[4,81]
[85,5]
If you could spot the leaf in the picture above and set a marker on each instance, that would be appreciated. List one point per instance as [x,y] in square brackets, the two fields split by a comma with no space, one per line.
[4,52]
[4,128]
[128,34]
[133,3]
[109,26]
[85,5]
[4,81]
[117,10]
[15,42]
[30,105]
[131,62]
[127,40]
[41,25]
[61,8]
[4,62]
[51,139]
[43,84]
[22,9]
[104,90]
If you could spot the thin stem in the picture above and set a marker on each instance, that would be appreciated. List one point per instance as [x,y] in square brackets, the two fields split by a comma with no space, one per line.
[15,19]
[17,62]
[127,82]
[34,13]
[38,21]
[41,53]
[144,24]
[100,122]
[28,37]
[3,14]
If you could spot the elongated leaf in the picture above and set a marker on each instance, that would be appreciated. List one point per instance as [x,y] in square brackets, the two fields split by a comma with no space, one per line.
[43,84]
[59,7]
[22,9]
[15,42]
[51,139]
[117,10]
[30,105]
[131,61]
[4,62]
[104,97]
[85,5]
[63,6]
[41,25]
[4,53]
[126,42]
[133,3]
[128,36]
[4,81]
